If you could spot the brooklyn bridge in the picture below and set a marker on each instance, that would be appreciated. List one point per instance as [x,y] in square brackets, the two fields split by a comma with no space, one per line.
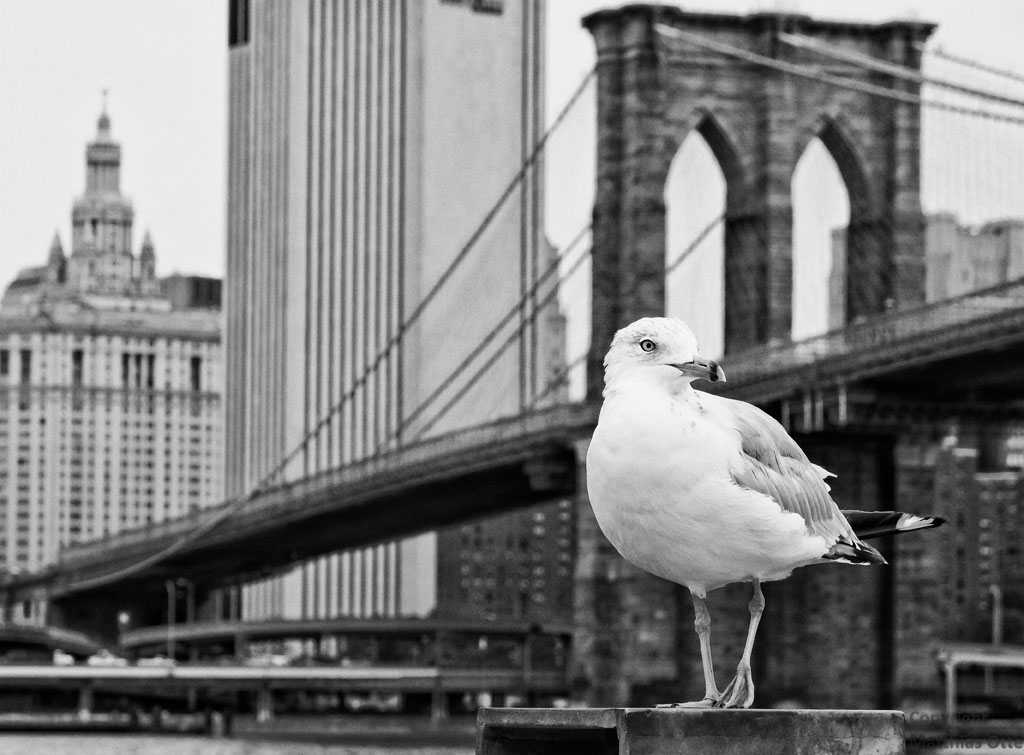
[913,400]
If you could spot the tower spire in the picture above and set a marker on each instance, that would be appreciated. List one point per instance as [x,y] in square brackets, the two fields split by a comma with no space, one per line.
[147,258]
[56,250]
[103,124]
[56,262]
[101,219]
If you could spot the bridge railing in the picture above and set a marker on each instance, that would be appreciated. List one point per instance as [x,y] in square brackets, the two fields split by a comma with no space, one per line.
[874,334]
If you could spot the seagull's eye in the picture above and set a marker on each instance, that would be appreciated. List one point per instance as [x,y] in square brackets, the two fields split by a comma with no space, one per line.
[648,345]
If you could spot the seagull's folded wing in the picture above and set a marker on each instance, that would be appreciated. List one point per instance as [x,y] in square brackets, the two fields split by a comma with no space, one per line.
[772,463]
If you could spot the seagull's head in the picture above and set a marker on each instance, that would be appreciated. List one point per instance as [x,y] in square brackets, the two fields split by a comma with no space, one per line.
[664,347]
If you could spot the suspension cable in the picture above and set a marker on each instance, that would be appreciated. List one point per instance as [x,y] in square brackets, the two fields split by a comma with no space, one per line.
[511,339]
[692,246]
[803,42]
[490,337]
[435,289]
[559,379]
[938,52]
[492,213]
[810,73]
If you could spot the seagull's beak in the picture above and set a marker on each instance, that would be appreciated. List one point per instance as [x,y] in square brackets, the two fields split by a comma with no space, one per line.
[699,367]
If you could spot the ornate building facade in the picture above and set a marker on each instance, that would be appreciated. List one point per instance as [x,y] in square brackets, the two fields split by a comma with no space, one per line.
[110,390]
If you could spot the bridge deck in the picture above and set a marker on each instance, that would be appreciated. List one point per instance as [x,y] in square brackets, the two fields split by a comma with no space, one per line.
[901,351]
[488,469]
[975,342]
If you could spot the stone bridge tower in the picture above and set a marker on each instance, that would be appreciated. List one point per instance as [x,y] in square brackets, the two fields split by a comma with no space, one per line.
[653,89]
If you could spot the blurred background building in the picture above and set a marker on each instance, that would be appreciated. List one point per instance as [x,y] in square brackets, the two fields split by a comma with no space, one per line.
[959,259]
[110,390]
[965,583]
[962,259]
[356,176]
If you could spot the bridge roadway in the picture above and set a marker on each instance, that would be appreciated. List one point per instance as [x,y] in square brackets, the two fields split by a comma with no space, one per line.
[484,470]
[967,348]
[964,351]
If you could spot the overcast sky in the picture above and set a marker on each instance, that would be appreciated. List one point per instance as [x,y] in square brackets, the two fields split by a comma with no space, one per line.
[165,66]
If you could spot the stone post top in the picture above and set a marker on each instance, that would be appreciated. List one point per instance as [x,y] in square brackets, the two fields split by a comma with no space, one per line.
[682,731]
[712,717]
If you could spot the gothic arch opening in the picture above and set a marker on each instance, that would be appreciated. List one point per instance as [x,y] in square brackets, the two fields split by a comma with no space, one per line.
[696,197]
[829,195]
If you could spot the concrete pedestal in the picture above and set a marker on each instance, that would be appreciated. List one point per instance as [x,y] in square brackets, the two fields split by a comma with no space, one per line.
[681,731]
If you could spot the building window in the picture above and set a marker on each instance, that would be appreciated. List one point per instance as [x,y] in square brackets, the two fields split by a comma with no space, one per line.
[4,363]
[77,360]
[238,23]
[26,366]
[195,370]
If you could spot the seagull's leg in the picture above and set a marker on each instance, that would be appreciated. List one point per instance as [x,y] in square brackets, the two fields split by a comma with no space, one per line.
[740,692]
[702,623]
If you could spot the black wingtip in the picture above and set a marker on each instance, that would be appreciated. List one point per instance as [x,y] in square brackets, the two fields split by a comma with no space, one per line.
[849,553]
[870,524]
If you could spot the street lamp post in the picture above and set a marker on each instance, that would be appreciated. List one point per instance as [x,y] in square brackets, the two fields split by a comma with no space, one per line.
[997,632]
[997,614]
[172,585]
[171,600]
[190,598]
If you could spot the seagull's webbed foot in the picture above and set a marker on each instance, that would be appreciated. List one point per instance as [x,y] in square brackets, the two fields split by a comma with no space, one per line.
[740,692]
[707,702]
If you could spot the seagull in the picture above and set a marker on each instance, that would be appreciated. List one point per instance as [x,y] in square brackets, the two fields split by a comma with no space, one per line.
[706,491]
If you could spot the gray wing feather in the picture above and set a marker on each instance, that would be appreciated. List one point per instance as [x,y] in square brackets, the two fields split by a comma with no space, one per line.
[772,463]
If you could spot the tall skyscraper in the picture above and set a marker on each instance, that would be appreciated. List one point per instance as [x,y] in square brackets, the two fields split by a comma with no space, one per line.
[368,141]
[110,408]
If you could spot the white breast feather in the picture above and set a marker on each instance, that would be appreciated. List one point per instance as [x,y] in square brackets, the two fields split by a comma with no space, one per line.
[659,483]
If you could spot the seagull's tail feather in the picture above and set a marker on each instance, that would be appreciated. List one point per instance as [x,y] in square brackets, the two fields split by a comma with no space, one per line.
[869,524]
[847,552]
